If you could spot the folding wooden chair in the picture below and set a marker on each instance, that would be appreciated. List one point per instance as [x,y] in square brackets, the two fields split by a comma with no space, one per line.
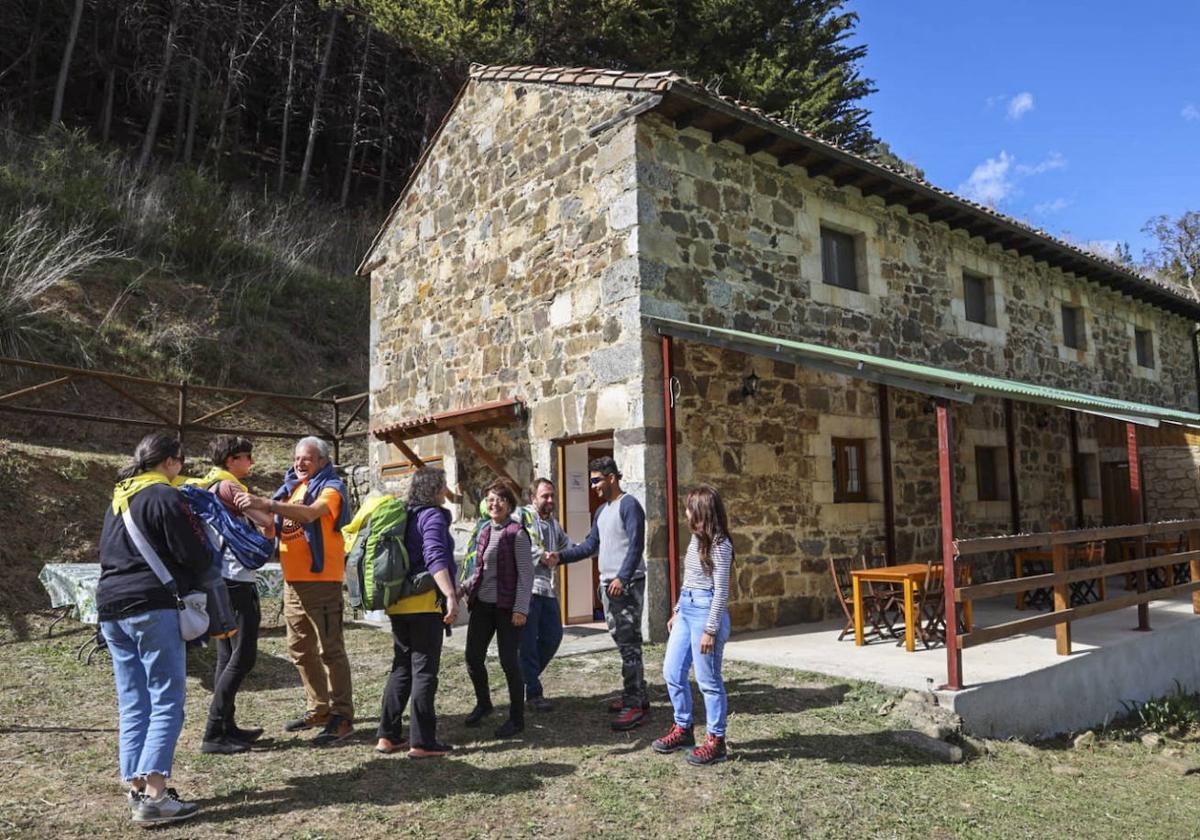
[843,585]
[1093,589]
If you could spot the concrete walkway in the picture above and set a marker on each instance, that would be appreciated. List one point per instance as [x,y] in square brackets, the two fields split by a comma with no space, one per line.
[1017,686]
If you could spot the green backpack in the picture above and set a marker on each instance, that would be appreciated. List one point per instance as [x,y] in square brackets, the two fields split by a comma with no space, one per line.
[380,559]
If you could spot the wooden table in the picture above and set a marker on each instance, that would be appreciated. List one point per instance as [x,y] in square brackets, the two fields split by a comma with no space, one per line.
[911,575]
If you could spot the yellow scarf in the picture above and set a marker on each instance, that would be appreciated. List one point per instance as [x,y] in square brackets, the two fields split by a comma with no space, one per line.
[130,487]
[216,474]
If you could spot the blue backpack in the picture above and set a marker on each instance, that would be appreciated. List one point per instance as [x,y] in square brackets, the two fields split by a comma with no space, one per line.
[250,548]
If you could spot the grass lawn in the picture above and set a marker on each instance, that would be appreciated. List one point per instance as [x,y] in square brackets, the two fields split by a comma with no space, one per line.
[810,756]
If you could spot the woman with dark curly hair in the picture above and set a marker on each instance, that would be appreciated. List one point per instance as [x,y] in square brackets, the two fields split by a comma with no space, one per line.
[418,622]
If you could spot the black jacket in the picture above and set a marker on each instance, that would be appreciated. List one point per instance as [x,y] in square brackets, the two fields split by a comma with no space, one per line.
[128,585]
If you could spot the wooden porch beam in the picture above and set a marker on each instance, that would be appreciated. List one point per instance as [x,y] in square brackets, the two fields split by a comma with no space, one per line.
[463,434]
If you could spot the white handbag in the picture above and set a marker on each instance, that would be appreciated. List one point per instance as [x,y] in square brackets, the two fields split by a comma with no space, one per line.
[193,607]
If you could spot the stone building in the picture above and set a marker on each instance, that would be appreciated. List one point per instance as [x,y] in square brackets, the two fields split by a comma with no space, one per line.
[569,232]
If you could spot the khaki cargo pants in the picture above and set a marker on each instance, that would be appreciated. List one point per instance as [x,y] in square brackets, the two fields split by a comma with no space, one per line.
[313,612]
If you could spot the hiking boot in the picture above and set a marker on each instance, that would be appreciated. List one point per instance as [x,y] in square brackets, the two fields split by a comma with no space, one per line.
[246,736]
[629,719]
[166,809]
[337,729]
[386,746]
[509,728]
[435,750]
[617,706]
[223,745]
[540,704]
[711,751]
[680,737]
[477,714]
[308,720]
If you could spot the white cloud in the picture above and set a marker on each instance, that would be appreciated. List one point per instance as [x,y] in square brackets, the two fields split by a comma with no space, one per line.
[1190,112]
[996,179]
[1020,105]
[1054,160]
[990,182]
[1053,206]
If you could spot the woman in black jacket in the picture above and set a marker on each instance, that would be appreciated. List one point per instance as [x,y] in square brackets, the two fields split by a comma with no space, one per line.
[140,620]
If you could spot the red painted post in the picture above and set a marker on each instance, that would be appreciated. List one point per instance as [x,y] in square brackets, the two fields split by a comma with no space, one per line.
[1135,501]
[672,492]
[946,484]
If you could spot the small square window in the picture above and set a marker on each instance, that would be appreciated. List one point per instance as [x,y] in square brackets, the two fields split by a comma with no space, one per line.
[839,260]
[977,299]
[989,482]
[1072,327]
[1143,343]
[849,470]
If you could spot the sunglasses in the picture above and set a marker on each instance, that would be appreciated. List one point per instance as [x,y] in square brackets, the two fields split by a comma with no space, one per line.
[596,479]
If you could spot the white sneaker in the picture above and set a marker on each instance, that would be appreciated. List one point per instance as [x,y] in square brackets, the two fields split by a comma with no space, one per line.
[168,808]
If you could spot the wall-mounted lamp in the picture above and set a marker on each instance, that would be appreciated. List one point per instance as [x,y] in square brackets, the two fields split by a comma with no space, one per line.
[750,384]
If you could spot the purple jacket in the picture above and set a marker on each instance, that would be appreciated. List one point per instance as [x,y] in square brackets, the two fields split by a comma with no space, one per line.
[427,538]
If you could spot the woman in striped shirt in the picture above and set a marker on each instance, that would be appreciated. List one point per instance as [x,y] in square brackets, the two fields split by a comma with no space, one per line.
[698,630]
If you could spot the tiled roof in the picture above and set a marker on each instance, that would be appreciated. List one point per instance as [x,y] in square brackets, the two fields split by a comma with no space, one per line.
[662,82]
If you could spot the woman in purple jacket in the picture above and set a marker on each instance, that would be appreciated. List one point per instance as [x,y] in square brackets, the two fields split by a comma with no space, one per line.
[418,622]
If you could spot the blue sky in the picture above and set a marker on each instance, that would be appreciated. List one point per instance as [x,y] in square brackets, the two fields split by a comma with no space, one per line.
[1081,117]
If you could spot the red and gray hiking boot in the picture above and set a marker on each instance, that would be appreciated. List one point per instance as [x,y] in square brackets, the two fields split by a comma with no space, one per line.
[677,739]
[617,706]
[712,751]
[630,718]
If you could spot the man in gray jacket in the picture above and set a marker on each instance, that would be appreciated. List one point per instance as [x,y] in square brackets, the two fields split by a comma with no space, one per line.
[618,536]
[543,630]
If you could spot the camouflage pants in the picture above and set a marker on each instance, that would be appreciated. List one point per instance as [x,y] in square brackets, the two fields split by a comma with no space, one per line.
[624,616]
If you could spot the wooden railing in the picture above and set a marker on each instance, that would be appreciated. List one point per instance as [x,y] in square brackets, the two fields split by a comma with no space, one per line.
[1060,579]
[169,404]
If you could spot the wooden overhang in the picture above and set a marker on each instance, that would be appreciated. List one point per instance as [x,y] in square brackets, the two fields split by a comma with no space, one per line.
[459,424]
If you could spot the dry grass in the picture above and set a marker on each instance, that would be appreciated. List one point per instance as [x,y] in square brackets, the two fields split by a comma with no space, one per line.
[810,757]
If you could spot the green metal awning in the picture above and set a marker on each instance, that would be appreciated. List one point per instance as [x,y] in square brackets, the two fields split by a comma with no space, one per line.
[924,379]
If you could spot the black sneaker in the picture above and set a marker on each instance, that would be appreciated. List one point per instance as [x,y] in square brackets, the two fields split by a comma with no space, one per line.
[223,745]
[477,714]
[246,736]
[509,728]
[540,704]
[337,729]
[308,720]
[168,808]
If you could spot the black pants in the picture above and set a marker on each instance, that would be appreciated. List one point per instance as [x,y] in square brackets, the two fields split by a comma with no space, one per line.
[416,656]
[487,620]
[235,657]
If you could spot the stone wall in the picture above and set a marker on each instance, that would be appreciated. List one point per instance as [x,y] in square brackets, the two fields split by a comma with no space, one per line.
[511,269]
[733,240]
[770,457]
[1172,482]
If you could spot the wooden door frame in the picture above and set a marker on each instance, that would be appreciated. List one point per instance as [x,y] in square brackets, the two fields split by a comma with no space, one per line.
[559,447]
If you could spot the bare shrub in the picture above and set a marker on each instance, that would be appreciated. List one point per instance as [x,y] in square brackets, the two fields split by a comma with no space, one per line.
[35,258]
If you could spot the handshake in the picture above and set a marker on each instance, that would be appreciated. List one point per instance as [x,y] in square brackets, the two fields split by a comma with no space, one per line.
[550,559]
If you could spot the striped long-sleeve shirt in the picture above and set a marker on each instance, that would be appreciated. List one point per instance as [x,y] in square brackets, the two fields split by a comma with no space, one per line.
[717,583]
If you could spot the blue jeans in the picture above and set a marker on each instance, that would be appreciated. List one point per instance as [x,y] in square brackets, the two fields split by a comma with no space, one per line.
[683,649]
[150,667]
[539,641]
